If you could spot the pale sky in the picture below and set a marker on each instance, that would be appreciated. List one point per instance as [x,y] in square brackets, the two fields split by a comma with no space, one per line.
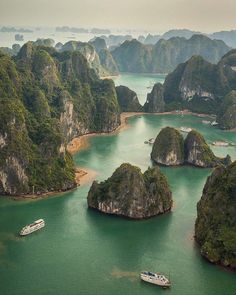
[152,15]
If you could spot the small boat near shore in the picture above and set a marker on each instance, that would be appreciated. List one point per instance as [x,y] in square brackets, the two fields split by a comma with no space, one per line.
[185,129]
[222,143]
[156,279]
[150,141]
[206,122]
[30,228]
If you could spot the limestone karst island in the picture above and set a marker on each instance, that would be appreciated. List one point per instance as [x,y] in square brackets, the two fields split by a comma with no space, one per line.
[117,147]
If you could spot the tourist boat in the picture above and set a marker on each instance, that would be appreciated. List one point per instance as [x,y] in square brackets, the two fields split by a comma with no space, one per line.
[30,228]
[221,143]
[185,129]
[156,279]
[150,141]
[214,123]
[206,122]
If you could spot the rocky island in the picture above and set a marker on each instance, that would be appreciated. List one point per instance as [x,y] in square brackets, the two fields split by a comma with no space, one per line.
[131,193]
[128,99]
[170,149]
[215,228]
[47,98]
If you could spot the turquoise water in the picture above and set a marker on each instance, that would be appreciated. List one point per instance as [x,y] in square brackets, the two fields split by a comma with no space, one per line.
[81,251]
[140,83]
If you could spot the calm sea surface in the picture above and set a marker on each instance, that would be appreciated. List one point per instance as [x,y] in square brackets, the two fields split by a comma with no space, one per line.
[83,252]
[140,83]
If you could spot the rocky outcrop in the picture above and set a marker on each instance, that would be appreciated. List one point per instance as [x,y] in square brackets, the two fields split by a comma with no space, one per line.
[131,194]
[165,55]
[108,62]
[127,99]
[99,44]
[47,99]
[215,227]
[199,85]
[198,153]
[170,149]
[155,100]
[227,113]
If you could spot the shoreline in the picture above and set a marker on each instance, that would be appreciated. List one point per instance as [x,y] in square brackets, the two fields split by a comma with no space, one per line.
[85,175]
[79,143]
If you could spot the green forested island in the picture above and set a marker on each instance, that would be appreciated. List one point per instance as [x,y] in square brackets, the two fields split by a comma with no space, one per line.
[215,228]
[171,149]
[47,98]
[131,193]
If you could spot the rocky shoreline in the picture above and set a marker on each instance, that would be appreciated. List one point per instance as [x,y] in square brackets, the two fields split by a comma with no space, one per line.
[79,143]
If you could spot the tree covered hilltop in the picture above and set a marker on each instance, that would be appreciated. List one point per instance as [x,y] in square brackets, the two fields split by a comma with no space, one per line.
[47,98]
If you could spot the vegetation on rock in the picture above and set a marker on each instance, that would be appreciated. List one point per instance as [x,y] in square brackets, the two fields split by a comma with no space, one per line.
[215,228]
[47,98]
[128,99]
[227,112]
[170,148]
[132,194]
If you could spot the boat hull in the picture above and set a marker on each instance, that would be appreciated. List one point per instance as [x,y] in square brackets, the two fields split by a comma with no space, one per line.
[155,281]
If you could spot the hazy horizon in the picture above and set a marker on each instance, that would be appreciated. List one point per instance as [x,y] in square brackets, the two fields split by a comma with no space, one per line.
[143,15]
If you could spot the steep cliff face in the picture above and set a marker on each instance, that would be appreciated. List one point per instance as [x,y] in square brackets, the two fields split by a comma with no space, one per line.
[171,149]
[132,194]
[108,62]
[48,98]
[168,148]
[127,99]
[215,227]
[198,153]
[132,56]
[227,113]
[199,85]
[165,55]
[97,55]
[155,100]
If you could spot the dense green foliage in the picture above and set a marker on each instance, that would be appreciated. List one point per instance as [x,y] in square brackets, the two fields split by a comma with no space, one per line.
[128,99]
[130,193]
[168,148]
[165,55]
[155,100]
[200,86]
[227,112]
[47,98]
[197,152]
[215,228]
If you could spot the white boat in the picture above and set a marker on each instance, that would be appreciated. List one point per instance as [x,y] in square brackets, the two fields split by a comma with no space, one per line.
[151,140]
[214,123]
[206,122]
[185,129]
[156,279]
[30,228]
[220,143]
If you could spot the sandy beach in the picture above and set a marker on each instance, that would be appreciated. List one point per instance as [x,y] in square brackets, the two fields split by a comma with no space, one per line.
[84,175]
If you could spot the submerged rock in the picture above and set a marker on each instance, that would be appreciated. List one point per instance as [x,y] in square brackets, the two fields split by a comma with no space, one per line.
[132,194]
[168,148]
[215,227]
